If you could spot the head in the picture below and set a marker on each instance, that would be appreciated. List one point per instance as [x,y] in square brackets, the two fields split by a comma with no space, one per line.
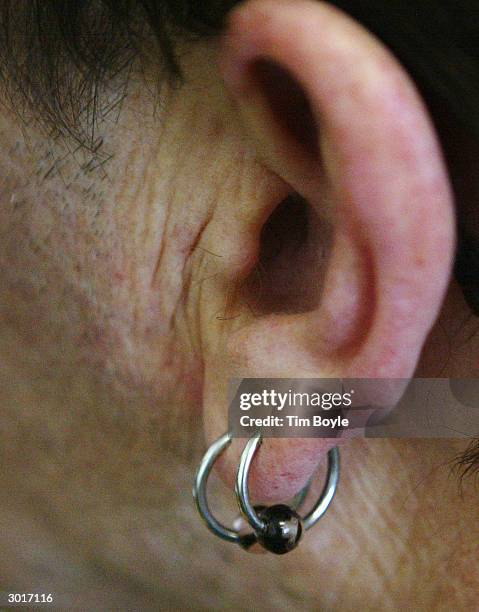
[192,194]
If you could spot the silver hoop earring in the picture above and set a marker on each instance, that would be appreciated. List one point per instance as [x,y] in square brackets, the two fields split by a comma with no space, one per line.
[277,528]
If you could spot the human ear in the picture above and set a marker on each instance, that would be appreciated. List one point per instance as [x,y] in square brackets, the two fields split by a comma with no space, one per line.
[337,119]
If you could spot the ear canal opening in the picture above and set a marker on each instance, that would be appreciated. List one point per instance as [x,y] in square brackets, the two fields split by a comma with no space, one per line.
[292,258]
[288,103]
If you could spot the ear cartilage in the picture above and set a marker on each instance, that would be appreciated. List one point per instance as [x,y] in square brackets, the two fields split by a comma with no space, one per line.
[278,528]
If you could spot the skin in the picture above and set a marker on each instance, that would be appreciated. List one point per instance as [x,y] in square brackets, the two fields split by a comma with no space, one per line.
[125,309]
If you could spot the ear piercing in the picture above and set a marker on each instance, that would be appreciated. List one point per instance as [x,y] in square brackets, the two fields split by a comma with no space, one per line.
[278,528]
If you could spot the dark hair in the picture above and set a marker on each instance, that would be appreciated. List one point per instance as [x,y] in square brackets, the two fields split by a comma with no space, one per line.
[56,57]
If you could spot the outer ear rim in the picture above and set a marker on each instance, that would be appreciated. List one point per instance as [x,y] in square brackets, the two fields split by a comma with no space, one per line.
[381,99]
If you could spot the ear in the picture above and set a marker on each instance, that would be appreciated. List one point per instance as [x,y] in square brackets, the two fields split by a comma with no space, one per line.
[336,119]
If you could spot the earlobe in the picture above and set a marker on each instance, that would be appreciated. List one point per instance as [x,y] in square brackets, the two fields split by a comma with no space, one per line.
[365,156]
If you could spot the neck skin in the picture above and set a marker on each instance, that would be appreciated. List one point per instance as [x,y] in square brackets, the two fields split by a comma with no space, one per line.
[105,295]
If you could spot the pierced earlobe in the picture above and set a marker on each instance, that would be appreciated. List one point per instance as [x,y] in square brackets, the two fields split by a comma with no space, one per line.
[278,528]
